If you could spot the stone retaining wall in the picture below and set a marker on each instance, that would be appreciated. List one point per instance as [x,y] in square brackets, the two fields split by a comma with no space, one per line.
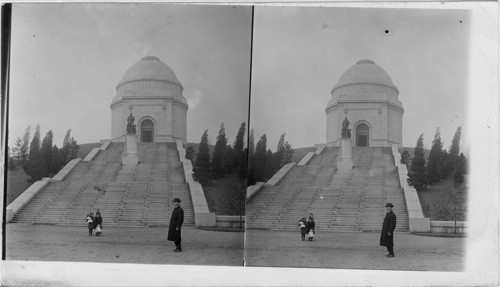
[66,170]
[25,198]
[253,189]
[202,215]
[92,154]
[448,227]
[418,223]
[280,174]
[230,221]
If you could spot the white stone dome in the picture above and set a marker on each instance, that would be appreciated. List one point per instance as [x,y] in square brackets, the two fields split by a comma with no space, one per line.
[365,72]
[149,68]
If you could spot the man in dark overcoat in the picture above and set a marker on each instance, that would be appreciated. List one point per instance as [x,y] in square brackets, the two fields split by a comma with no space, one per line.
[176,220]
[387,236]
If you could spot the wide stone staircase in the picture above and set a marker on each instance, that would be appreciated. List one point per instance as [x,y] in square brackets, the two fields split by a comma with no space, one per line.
[126,196]
[352,201]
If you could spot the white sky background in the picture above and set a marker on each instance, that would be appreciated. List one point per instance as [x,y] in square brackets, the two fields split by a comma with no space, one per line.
[300,53]
[67,60]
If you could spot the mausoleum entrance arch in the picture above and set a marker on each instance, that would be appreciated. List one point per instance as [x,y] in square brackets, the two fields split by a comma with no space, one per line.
[362,134]
[147,130]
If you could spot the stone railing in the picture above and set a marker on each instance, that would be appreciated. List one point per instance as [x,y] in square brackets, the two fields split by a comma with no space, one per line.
[418,223]
[448,226]
[230,221]
[25,198]
[253,189]
[66,170]
[92,154]
[306,158]
[96,150]
[319,148]
[202,215]
[280,174]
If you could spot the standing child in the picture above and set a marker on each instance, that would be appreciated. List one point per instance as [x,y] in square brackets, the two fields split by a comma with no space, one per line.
[303,230]
[98,230]
[90,223]
[310,228]
[98,223]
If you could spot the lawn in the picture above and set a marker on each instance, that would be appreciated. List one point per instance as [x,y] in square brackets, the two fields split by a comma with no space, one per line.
[17,182]
[219,194]
[435,202]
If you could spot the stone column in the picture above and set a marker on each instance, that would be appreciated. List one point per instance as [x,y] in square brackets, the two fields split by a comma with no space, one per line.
[344,161]
[130,153]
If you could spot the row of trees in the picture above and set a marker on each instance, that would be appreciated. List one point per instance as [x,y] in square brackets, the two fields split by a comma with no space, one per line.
[441,164]
[225,159]
[263,162]
[40,158]
[256,160]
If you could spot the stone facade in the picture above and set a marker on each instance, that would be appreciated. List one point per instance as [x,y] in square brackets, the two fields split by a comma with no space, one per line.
[151,92]
[365,95]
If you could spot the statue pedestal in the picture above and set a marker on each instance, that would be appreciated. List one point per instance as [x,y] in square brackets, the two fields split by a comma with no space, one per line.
[130,153]
[344,161]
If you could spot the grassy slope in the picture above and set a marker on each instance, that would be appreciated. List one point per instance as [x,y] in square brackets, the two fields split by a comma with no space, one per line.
[435,198]
[17,179]
[218,193]
[16,183]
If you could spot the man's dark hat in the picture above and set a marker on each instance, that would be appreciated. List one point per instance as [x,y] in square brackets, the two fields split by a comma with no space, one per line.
[389,204]
[177,199]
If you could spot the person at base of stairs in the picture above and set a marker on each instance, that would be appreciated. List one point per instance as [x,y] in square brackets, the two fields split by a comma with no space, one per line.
[90,222]
[387,236]
[311,225]
[176,220]
[98,230]
[303,229]
[98,223]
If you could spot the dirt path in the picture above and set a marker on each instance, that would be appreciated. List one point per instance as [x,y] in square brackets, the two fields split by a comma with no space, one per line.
[122,245]
[353,251]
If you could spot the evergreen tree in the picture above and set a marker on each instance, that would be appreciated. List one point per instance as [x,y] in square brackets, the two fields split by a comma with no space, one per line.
[238,146]
[46,153]
[284,153]
[218,155]
[251,180]
[34,167]
[433,168]
[454,151]
[24,150]
[201,170]
[459,170]
[279,155]
[417,176]
[243,167]
[16,150]
[260,159]
[12,164]
[64,151]
[56,160]
[270,164]
[287,154]
[73,149]
[404,157]
[190,152]
[251,143]
[228,160]
[445,172]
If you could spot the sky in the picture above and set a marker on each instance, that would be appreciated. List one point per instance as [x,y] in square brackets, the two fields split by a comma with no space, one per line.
[299,53]
[67,59]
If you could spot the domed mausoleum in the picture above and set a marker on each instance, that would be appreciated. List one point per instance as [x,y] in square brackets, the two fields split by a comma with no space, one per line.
[366,95]
[151,92]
